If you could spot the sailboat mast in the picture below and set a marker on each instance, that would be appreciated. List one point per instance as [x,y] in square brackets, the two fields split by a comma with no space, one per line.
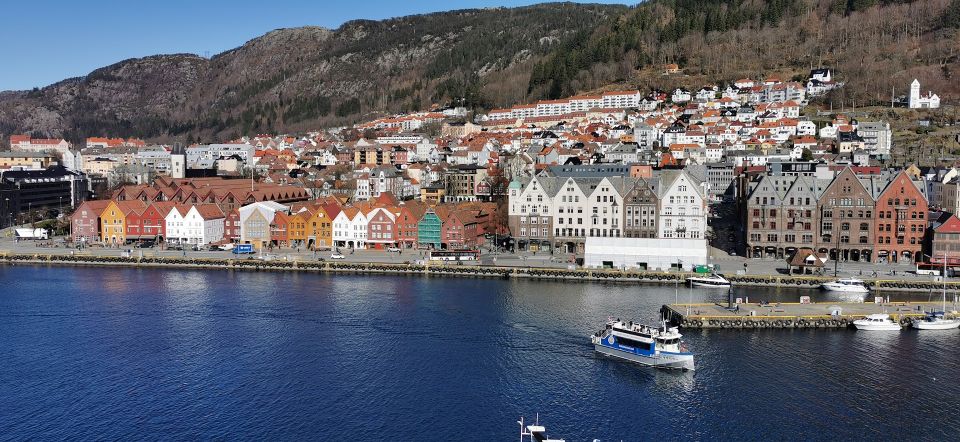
[944,308]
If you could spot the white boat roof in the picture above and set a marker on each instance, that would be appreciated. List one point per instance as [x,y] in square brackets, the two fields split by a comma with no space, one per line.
[878,316]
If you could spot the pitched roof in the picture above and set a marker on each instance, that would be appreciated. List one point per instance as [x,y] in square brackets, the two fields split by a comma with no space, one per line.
[952,225]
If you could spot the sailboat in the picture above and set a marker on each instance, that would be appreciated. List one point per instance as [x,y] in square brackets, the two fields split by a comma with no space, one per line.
[936,320]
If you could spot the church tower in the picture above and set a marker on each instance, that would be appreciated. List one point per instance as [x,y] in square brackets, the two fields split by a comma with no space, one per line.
[914,100]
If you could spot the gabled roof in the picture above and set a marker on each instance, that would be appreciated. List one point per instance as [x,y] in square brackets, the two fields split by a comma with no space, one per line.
[952,225]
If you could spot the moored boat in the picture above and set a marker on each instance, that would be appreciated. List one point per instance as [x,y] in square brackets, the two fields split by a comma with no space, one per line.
[877,322]
[935,321]
[656,347]
[846,285]
[714,280]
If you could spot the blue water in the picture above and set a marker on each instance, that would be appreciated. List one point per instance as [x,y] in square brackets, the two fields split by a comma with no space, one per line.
[155,354]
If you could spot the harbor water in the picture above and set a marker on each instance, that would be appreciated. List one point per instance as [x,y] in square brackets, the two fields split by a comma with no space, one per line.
[149,354]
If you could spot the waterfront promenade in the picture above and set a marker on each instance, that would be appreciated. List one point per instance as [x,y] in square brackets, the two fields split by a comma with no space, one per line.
[769,273]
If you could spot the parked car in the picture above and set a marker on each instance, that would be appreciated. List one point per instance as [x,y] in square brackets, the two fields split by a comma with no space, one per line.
[337,256]
[225,247]
[393,249]
[146,245]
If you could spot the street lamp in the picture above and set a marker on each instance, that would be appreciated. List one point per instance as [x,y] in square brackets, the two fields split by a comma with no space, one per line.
[676,282]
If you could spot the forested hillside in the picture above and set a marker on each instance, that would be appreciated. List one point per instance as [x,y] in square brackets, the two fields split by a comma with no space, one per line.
[875,45]
[306,78]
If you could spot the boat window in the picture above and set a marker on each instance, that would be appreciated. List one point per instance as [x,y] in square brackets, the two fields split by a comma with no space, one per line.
[631,343]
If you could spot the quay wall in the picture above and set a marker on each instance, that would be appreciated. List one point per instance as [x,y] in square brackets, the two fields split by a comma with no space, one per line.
[791,315]
[434,269]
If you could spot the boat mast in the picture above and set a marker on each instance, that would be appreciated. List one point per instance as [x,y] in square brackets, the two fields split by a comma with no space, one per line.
[944,308]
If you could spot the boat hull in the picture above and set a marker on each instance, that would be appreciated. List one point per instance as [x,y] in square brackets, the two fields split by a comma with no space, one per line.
[674,361]
[876,327]
[936,325]
[710,285]
[845,289]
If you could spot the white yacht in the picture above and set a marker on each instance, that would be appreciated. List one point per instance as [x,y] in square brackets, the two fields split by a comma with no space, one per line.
[877,322]
[847,285]
[935,321]
[714,280]
[657,347]
[537,432]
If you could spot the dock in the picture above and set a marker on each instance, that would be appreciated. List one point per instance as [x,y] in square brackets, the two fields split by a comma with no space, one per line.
[791,315]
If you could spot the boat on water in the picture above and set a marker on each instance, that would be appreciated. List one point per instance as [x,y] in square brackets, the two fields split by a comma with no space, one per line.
[877,322]
[938,320]
[537,432]
[714,280]
[935,321]
[846,285]
[659,347]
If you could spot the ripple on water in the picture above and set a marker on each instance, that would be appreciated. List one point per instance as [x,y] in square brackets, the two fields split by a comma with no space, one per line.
[150,354]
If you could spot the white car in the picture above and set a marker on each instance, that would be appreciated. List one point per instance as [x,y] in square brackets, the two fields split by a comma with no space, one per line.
[337,256]
[393,249]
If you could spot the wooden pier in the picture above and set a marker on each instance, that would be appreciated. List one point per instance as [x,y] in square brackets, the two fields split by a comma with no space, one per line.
[791,315]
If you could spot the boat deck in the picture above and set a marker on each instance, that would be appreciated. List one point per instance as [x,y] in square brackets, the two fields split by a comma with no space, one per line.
[791,315]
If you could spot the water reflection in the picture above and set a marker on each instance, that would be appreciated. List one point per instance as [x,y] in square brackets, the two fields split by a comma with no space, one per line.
[284,356]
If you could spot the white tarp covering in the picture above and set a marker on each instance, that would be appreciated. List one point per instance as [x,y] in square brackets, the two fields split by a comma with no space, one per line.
[652,253]
[32,234]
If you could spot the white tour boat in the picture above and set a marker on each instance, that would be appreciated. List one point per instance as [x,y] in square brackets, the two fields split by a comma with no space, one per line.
[848,285]
[656,347]
[877,322]
[714,280]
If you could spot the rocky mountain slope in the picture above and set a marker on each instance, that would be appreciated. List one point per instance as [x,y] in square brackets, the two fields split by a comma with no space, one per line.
[303,78]
[291,79]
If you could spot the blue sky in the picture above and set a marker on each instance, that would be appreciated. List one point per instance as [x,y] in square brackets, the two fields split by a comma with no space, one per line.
[45,41]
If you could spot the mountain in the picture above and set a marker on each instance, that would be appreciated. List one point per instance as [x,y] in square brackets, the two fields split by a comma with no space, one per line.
[306,78]
[877,46]
[291,79]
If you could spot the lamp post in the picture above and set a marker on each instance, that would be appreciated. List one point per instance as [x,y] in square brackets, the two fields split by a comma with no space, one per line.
[676,282]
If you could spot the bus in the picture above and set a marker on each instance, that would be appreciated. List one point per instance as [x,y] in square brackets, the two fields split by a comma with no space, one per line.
[929,268]
[454,255]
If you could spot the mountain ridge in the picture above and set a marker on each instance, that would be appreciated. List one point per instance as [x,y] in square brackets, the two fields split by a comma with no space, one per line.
[295,79]
[305,77]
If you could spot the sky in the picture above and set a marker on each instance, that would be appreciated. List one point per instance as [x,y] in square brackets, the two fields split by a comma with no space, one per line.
[46,41]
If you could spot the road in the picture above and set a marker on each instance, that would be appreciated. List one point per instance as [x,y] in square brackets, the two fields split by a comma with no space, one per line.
[725,262]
